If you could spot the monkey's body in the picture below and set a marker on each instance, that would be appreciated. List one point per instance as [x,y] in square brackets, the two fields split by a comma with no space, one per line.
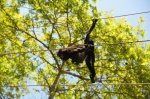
[79,53]
[75,52]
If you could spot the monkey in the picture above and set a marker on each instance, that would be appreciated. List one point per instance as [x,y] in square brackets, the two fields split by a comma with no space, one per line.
[79,53]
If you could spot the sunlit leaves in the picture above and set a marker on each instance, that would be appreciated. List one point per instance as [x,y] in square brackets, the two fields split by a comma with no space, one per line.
[29,46]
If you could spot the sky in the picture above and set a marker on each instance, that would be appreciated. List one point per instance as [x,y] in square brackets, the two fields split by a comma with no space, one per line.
[123,7]
[119,7]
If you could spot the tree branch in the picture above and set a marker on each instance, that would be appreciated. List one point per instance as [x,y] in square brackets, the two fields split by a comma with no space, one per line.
[75,75]
[68,25]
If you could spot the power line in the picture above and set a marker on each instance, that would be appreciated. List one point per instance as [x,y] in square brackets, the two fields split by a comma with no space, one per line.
[95,84]
[9,53]
[123,43]
[127,15]
[131,14]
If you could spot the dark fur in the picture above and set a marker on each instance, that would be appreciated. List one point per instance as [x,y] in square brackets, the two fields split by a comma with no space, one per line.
[80,52]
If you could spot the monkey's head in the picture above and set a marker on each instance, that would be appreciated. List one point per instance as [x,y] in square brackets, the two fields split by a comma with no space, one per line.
[63,54]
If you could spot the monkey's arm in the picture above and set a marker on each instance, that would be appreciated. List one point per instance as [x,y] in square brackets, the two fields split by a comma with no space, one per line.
[89,31]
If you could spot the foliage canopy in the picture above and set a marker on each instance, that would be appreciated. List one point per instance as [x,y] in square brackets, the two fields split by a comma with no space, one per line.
[29,43]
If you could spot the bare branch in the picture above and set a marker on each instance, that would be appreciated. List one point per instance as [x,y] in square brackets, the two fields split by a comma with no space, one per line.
[33,28]
[68,25]
[75,75]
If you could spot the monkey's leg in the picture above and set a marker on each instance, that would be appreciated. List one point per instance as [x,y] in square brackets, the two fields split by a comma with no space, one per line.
[91,68]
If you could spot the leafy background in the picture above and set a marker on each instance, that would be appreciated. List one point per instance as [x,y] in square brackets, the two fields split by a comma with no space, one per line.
[29,43]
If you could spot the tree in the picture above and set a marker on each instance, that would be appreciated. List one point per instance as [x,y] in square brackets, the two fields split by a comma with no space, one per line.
[29,44]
